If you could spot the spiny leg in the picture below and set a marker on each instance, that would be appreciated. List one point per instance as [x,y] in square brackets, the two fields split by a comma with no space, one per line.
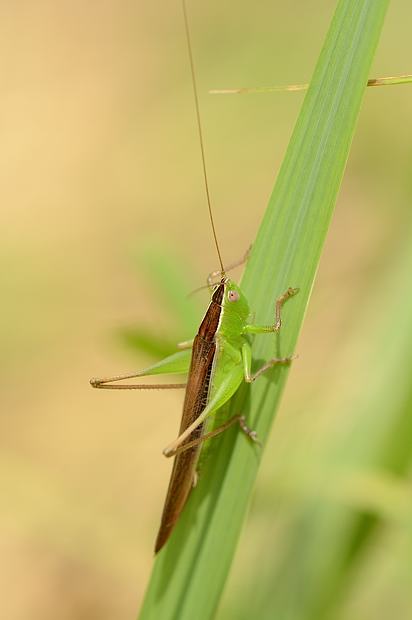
[177,363]
[275,361]
[279,303]
[218,272]
[251,328]
[240,419]
[229,384]
[108,383]
[247,363]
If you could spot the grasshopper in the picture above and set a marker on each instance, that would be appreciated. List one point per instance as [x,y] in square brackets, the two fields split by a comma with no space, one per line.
[216,362]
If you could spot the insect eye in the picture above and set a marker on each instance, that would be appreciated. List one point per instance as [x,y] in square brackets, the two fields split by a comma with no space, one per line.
[233,296]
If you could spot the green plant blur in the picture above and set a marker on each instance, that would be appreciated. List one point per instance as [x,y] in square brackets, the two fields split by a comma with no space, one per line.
[101,158]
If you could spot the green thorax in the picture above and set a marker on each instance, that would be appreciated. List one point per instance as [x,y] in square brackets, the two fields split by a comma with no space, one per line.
[235,312]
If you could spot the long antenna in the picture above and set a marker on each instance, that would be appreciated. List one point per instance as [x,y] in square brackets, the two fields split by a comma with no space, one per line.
[199,126]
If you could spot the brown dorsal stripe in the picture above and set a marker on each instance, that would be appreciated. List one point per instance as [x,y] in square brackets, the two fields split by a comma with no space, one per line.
[210,323]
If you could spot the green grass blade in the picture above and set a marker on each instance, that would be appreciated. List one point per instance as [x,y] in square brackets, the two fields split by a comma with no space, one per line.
[190,572]
[352,485]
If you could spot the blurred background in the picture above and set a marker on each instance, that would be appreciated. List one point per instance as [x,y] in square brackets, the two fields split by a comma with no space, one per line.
[104,230]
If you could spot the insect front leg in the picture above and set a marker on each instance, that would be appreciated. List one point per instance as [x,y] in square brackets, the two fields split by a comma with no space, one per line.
[218,273]
[247,363]
[249,328]
[279,303]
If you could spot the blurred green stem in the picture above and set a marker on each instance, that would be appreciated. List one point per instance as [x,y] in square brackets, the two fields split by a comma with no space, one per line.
[245,90]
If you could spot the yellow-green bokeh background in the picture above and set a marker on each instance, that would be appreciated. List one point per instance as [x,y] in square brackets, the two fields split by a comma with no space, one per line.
[100,158]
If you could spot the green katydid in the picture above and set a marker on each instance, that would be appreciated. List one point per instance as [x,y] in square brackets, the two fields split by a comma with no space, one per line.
[216,362]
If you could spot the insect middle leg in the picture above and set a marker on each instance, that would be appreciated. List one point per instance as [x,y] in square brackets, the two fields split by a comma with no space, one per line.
[247,363]
[251,328]
[279,303]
